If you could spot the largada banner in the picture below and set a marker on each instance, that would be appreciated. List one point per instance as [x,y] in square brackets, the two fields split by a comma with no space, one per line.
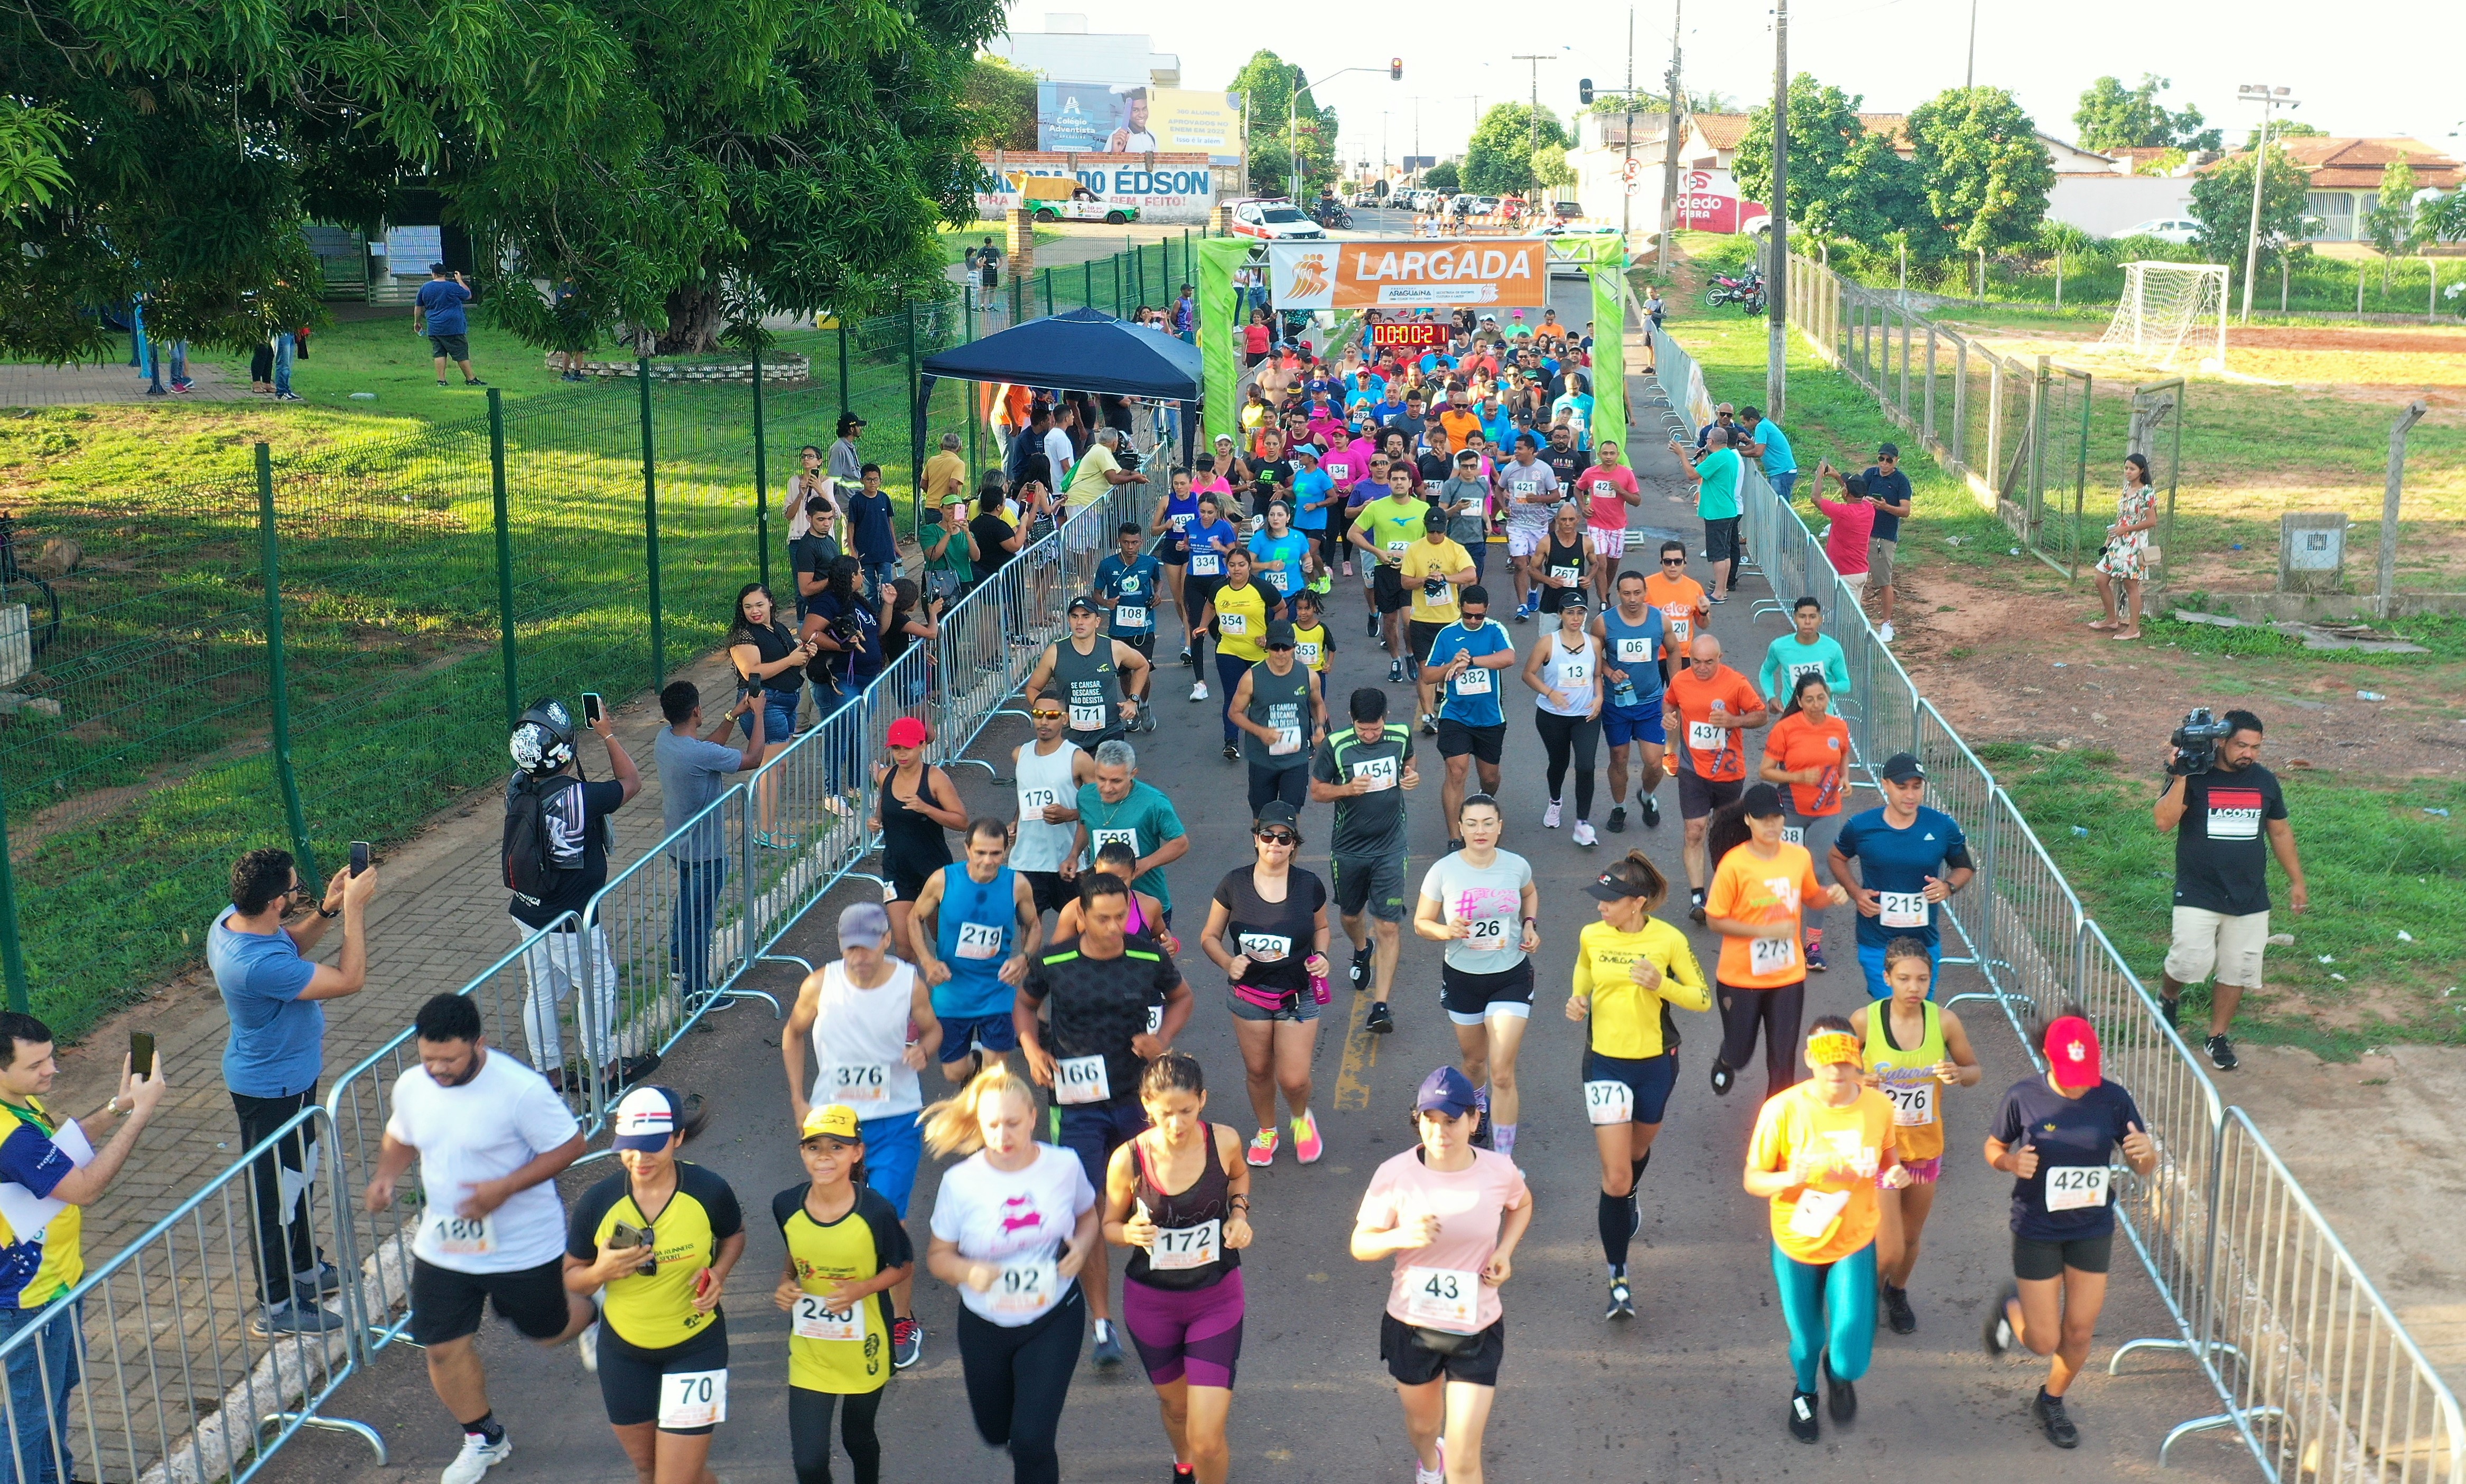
[1365,275]
[1133,118]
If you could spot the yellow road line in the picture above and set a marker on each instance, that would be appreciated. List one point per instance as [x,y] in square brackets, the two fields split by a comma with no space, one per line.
[1360,1055]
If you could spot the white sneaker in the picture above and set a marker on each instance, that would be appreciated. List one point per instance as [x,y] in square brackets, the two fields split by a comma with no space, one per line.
[477,1457]
[1584,835]
[587,1346]
[1550,816]
[1884,632]
[1437,1475]
[1198,692]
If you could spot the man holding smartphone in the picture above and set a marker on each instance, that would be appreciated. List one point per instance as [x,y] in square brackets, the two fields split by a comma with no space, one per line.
[694,771]
[277,1053]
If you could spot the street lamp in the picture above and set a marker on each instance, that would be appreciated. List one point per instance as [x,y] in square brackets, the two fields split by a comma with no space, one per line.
[1395,70]
[2269,98]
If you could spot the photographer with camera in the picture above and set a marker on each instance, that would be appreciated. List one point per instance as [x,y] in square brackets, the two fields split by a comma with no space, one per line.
[2220,801]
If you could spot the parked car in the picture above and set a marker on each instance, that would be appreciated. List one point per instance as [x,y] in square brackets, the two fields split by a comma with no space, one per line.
[2166,229]
[1368,200]
[1274,219]
[1566,210]
[1061,198]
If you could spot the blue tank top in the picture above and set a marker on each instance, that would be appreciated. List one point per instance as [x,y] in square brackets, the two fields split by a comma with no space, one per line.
[1181,513]
[978,923]
[1637,649]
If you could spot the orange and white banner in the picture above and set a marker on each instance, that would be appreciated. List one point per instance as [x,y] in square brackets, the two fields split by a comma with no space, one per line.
[1363,275]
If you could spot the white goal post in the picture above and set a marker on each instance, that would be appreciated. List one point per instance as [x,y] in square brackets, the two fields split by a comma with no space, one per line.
[2165,306]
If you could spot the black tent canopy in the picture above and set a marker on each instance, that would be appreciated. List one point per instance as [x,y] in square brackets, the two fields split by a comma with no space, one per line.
[1078,350]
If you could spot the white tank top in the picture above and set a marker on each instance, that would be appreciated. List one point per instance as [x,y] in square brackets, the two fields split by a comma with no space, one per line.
[1571,670]
[858,1036]
[1042,781]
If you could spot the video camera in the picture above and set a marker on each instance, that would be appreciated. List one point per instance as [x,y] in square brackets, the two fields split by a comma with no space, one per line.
[2196,743]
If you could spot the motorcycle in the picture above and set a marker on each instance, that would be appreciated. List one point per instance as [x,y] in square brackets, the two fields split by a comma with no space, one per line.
[1333,216]
[1747,291]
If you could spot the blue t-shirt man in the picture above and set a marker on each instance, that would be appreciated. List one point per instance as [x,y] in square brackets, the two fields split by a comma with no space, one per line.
[1132,588]
[1778,458]
[440,302]
[1387,411]
[1894,863]
[278,1039]
[1472,696]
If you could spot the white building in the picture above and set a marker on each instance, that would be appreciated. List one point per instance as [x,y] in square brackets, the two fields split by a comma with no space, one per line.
[1067,51]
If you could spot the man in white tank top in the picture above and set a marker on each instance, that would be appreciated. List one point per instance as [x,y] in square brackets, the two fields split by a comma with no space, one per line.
[858,1012]
[1049,770]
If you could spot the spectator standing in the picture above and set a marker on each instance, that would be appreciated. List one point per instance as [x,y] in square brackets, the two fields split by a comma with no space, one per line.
[949,548]
[555,853]
[1766,442]
[945,474]
[275,1056]
[2220,818]
[437,313]
[812,554]
[846,466]
[1889,489]
[1027,456]
[870,531]
[1061,446]
[53,1164]
[693,772]
[2126,559]
[1715,473]
[1848,541]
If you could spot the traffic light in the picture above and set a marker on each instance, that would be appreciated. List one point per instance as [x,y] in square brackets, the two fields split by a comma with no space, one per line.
[1395,69]
[1584,90]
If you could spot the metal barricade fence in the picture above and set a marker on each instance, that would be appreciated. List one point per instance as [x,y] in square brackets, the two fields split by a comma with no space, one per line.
[1960,786]
[169,1384]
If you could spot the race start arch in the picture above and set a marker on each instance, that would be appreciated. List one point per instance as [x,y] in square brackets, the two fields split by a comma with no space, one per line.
[1353,274]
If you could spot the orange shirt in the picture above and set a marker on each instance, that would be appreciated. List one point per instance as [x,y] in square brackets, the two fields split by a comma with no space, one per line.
[1683,609]
[1798,744]
[1716,754]
[1458,422]
[1835,1212]
[1765,891]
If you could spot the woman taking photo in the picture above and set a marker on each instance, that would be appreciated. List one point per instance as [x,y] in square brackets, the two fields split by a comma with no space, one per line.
[1758,888]
[845,1249]
[1564,671]
[1480,901]
[1805,754]
[1178,1195]
[2126,557]
[770,660]
[2055,1136]
[659,1237]
[1012,1224]
[1915,1050]
[1631,967]
[1275,918]
[907,617]
[1451,1216]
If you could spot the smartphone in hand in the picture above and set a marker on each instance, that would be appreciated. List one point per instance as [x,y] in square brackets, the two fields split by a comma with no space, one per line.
[592,708]
[141,1052]
[359,857]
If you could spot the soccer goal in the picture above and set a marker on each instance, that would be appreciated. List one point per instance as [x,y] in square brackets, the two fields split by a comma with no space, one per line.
[2167,305]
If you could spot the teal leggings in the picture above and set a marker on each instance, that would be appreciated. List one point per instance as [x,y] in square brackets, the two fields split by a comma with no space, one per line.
[1835,1300]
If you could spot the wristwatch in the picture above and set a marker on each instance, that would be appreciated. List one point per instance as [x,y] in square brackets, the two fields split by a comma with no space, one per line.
[329,915]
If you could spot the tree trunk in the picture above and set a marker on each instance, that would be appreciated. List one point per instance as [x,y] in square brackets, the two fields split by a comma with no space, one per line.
[693,323]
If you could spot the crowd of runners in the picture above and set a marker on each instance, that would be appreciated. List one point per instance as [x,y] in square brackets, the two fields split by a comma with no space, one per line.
[1014,1012]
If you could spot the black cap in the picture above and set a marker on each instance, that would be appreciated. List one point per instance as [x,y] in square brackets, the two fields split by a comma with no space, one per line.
[1081,605]
[1280,635]
[1434,519]
[1763,801]
[1901,767]
[1888,450]
[849,422]
[1275,811]
[1608,889]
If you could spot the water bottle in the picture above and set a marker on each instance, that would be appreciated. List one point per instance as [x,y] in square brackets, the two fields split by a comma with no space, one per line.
[1318,988]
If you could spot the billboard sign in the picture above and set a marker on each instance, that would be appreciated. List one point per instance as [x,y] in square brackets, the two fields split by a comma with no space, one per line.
[1708,201]
[1375,274]
[1133,118]
[1175,188]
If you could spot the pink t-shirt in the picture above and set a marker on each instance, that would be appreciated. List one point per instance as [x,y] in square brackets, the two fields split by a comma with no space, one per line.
[1429,1288]
[1607,508]
[1852,522]
[1349,463]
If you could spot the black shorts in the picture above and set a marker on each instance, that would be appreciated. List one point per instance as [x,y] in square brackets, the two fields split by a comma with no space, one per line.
[1648,1079]
[1144,644]
[907,883]
[1387,590]
[1700,797]
[1049,891]
[1173,553]
[1471,999]
[1485,743]
[1376,882]
[446,1304]
[2034,1260]
[1419,636]
[1412,1361]
[450,347]
[1721,539]
[630,1377]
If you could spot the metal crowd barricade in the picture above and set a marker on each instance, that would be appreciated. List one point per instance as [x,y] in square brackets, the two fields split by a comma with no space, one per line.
[171,1387]
[1960,785]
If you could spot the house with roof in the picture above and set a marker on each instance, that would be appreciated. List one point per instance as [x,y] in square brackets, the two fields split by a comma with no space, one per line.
[1712,139]
[2345,174]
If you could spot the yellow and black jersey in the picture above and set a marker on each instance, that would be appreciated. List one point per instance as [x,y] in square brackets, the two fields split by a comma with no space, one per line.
[653,1310]
[842,1354]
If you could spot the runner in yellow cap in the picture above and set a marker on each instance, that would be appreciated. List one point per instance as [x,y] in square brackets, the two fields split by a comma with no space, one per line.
[845,1249]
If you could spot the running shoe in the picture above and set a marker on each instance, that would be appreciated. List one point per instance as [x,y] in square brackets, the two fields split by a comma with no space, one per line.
[1622,1298]
[1429,724]
[1724,1078]
[1720,598]
[1618,819]
[1361,965]
[1108,1352]
[2170,1011]
[1185,654]
[1802,1425]
[1184,1474]
[1884,631]
[1263,1149]
[2221,1053]
[907,1343]
[1348,568]
[1550,816]
[279,397]
[1695,911]
[2050,1412]
[1897,1312]
[1198,691]
[1651,812]
[587,1346]
[477,1457]
[1815,957]
[1232,751]
[1395,672]
[1412,670]
[1374,623]
[1308,1146]
[1421,1475]
[1379,1022]
[1522,616]
[1455,843]
[1841,1396]
[1998,1332]
[1584,835]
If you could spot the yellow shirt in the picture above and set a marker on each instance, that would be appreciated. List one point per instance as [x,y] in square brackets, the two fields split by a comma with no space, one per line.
[1423,561]
[1810,1221]
[1310,647]
[1087,479]
[945,473]
[1242,622]
[654,1310]
[1626,1019]
[850,1354]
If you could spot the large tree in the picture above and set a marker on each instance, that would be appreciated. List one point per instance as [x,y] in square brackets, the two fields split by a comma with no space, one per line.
[1978,163]
[1846,183]
[2222,203]
[1499,159]
[1284,119]
[1003,97]
[2114,117]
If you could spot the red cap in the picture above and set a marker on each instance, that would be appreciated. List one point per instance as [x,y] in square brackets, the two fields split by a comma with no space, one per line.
[908,732]
[2072,1052]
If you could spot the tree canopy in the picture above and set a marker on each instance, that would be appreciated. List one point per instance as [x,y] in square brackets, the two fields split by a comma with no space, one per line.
[1442,176]
[1285,121]
[1003,98]
[1984,174]
[2222,202]
[2114,117]
[1846,184]
[1499,159]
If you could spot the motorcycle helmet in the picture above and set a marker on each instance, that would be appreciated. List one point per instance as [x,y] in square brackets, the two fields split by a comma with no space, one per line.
[543,741]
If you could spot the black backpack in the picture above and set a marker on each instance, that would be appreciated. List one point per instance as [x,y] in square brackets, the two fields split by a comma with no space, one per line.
[546,835]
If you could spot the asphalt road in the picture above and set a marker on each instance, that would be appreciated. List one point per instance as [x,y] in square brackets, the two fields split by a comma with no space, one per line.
[1693,1389]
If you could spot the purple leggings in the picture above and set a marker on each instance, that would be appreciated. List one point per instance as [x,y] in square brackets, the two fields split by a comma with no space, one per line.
[1194,1334]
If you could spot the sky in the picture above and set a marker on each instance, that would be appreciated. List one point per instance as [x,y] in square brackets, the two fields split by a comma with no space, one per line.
[2350,78]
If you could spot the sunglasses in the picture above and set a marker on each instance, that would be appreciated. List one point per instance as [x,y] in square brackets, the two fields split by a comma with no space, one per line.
[1674,561]
[1041,716]
[1278,836]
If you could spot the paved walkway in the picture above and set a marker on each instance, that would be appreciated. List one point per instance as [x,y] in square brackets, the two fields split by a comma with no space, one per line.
[67,386]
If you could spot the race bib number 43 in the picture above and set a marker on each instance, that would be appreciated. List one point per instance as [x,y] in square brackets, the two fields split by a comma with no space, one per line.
[1442,1297]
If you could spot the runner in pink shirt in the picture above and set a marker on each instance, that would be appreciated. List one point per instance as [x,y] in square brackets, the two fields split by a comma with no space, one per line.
[1851,523]
[1610,489]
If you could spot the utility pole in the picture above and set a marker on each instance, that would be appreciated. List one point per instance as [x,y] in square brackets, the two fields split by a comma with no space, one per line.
[1532,147]
[1670,152]
[1627,138]
[2270,99]
[1777,272]
[1969,75]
